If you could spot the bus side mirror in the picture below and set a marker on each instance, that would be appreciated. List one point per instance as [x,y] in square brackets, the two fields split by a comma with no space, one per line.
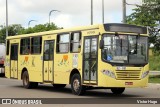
[101,44]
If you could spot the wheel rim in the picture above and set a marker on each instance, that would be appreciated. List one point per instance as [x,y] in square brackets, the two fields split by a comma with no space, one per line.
[76,85]
[25,80]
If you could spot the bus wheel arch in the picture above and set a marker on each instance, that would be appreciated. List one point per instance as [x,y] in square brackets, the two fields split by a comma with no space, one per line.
[23,70]
[74,71]
[25,79]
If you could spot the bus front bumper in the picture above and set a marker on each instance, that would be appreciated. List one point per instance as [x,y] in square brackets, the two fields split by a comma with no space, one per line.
[125,83]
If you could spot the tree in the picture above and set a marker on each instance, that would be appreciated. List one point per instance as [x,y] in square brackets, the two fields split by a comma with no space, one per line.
[154,7]
[17,29]
[2,35]
[39,28]
[148,15]
[12,30]
[142,16]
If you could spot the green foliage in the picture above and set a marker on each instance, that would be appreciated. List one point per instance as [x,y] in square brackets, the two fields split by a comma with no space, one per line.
[148,15]
[144,15]
[2,34]
[39,28]
[140,16]
[154,38]
[150,1]
[154,79]
[153,6]
[12,30]
[17,29]
[154,62]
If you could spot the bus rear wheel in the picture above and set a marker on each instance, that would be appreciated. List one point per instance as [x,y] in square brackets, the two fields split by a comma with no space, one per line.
[26,83]
[76,85]
[59,85]
[117,91]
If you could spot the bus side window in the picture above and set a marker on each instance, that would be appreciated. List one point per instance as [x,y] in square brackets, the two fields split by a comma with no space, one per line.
[36,45]
[63,43]
[75,42]
[25,46]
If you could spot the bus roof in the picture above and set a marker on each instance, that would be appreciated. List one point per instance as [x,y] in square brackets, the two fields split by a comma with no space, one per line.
[56,31]
[107,27]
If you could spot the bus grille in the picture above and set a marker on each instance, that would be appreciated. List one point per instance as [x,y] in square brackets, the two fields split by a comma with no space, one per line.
[127,75]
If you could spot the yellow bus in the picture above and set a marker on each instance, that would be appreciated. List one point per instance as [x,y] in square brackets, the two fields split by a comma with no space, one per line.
[112,56]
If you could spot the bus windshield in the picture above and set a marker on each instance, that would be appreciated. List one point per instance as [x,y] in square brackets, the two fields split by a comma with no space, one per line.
[125,49]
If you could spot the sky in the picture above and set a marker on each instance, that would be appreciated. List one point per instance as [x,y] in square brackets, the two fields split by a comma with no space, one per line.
[72,12]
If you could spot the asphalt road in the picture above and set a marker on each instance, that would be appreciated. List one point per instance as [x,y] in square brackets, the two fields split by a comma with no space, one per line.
[13,88]
[10,88]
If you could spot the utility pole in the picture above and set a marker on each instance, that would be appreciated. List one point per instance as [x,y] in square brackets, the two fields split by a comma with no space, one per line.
[6,18]
[102,11]
[124,10]
[91,12]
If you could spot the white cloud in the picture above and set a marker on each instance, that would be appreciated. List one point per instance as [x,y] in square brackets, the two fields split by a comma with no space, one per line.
[63,20]
[73,12]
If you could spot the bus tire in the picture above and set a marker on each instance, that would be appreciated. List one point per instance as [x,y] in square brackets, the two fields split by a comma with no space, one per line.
[117,91]
[2,75]
[59,85]
[76,85]
[26,83]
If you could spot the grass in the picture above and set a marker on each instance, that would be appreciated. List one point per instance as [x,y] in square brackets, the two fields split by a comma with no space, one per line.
[154,63]
[154,79]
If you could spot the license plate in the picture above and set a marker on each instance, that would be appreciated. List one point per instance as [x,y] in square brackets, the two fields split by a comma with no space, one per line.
[128,83]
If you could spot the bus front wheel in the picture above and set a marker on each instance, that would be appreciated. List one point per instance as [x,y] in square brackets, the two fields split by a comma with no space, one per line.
[76,85]
[117,90]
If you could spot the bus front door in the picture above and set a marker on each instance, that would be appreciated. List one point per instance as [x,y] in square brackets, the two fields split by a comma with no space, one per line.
[48,63]
[14,61]
[90,60]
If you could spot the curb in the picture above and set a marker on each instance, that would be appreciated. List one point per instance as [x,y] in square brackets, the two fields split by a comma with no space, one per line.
[153,86]
[154,73]
[153,83]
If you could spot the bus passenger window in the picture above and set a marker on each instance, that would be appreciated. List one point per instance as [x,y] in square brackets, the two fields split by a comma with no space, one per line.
[25,46]
[75,42]
[63,43]
[36,45]
[26,50]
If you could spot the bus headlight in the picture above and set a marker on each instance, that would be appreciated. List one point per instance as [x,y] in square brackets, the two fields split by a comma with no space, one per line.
[109,73]
[144,74]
